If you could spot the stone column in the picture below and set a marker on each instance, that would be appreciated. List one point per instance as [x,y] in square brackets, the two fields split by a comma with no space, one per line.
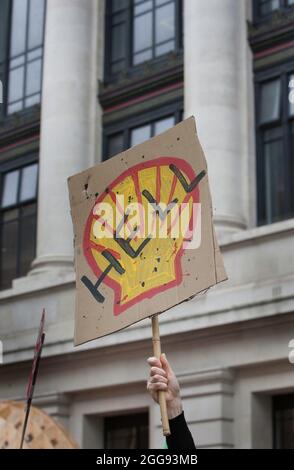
[216,93]
[68,123]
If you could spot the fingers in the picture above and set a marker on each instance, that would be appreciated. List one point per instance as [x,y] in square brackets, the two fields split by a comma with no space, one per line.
[165,364]
[156,387]
[158,378]
[157,371]
[154,362]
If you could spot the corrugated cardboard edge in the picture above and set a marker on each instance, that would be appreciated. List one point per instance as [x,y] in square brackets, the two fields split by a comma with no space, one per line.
[220,272]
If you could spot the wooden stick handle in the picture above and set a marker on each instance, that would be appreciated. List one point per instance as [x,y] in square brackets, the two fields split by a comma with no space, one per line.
[161,394]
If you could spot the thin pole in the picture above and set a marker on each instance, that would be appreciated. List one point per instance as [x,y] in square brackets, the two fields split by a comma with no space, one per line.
[161,393]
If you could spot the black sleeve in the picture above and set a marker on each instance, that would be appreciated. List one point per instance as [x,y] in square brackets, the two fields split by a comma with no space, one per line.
[180,437]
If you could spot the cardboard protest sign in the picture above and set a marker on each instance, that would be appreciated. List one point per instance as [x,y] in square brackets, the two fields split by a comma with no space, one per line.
[143,233]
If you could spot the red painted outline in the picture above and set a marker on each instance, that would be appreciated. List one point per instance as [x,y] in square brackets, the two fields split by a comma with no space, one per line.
[172,189]
[158,162]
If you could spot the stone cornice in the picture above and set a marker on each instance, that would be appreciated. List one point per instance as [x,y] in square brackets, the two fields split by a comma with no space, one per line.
[150,76]
[19,126]
[267,34]
[252,308]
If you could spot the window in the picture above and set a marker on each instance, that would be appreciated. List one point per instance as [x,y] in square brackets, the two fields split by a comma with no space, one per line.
[140,30]
[25,54]
[275,148]
[126,432]
[132,135]
[266,7]
[4,21]
[283,421]
[142,133]
[263,9]
[18,211]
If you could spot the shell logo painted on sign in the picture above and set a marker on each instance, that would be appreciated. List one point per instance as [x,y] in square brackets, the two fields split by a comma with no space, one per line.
[139,228]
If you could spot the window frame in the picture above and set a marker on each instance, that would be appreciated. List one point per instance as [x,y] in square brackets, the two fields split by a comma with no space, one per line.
[258,18]
[281,72]
[6,60]
[280,403]
[134,418]
[6,167]
[5,20]
[130,68]
[175,108]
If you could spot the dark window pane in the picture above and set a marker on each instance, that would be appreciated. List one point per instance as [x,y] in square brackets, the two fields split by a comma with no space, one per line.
[29,180]
[35,54]
[124,438]
[33,83]
[165,23]
[133,136]
[143,436]
[115,144]
[283,415]
[118,44]
[160,2]
[18,27]
[164,124]
[270,101]
[143,32]
[153,32]
[118,18]
[143,7]
[275,187]
[141,57]
[268,6]
[16,82]
[30,209]
[165,48]
[291,94]
[17,61]
[13,108]
[36,19]
[17,225]
[26,39]
[127,432]
[32,100]
[27,244]
[10,215]
[10,188]
[118,66]
[118,5]
[9,232]
[140,134]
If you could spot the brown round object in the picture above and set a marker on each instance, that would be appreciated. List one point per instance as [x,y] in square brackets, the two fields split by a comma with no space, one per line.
[42,431]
